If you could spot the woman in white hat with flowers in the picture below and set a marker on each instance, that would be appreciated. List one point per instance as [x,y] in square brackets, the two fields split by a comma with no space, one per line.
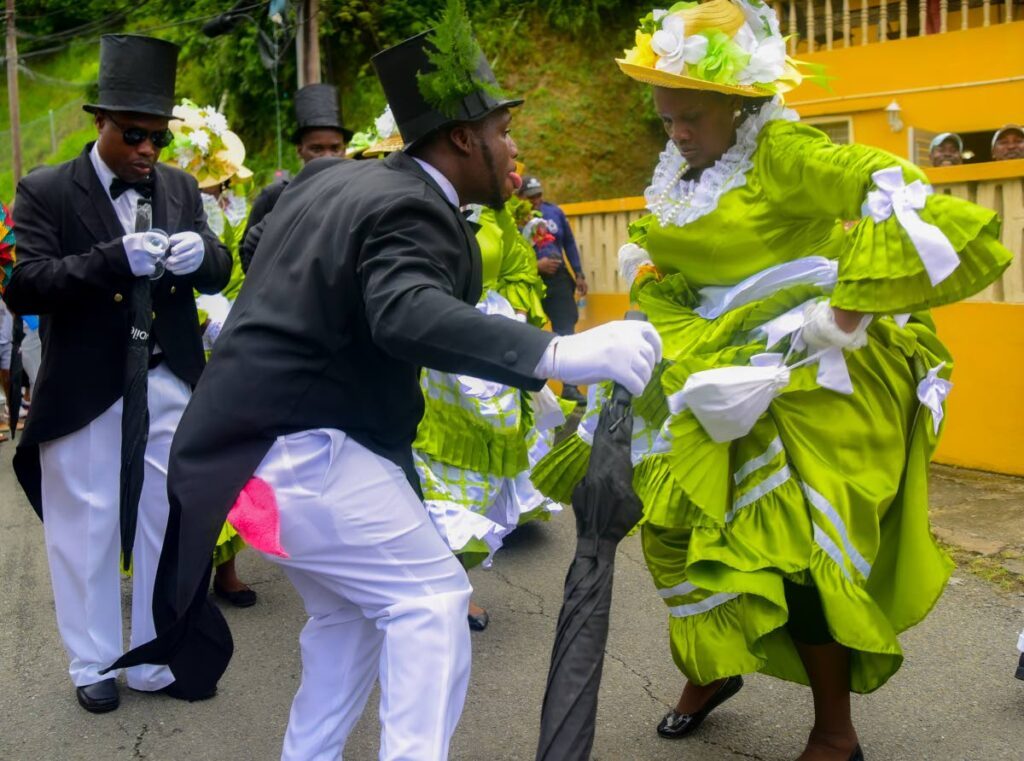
[204,147]
[782,452]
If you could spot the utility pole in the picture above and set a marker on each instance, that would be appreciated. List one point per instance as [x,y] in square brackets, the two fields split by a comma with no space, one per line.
[12,93]
[307,43]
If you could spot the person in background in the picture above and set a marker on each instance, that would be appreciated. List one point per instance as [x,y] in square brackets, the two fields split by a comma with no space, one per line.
[946,149]
[319,134]
[558,261]
[214,155]
[1008,143]
[86,230]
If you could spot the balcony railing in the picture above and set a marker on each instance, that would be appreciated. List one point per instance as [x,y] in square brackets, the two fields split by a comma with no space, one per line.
[814,25]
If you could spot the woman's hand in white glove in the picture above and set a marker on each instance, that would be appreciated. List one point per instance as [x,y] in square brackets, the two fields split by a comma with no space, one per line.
[822,331]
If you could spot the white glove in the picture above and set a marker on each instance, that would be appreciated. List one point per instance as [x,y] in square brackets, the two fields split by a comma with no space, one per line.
[187,252]
[143,251]
[820,330]
[623,351]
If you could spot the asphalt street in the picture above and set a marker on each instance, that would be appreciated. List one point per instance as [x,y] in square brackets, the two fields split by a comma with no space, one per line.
[954,700]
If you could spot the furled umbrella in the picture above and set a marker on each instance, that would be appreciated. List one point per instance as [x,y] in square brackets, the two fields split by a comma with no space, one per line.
[135,397]
[606,509]
[14,390]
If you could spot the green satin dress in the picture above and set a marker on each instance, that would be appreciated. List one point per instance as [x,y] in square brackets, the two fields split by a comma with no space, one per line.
[477,440]
[828,490]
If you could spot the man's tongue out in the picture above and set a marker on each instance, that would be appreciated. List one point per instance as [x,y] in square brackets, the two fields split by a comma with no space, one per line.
[517,181]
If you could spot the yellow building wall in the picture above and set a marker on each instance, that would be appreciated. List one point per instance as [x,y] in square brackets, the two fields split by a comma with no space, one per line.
[961,81]
[985,410]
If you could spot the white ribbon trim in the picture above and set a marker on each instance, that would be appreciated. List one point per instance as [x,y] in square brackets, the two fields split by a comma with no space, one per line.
[756,463]
[809,270]
[695,608]
[828,512]
[894,196]
[679,590]
[932,392]
[770,484]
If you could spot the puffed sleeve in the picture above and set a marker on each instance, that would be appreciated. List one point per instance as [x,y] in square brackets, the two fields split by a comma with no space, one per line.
[910,249]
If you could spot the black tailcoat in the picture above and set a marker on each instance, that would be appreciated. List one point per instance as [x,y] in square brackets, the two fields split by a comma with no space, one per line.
[71,269]
[364,274]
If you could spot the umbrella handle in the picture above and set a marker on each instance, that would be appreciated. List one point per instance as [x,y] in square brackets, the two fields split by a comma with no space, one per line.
[620,394]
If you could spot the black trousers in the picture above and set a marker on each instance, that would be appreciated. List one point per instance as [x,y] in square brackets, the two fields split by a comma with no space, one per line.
[560,303]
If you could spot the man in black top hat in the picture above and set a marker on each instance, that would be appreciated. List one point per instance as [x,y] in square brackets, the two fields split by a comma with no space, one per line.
[88,229]
[303,422]
[319,134]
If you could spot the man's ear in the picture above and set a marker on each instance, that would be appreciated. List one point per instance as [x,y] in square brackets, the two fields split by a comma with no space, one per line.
[463,138]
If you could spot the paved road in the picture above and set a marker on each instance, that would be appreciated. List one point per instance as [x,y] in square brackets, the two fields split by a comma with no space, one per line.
[954,700]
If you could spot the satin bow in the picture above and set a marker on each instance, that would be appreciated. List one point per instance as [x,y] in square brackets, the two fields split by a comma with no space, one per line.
[932,392]
[894,196]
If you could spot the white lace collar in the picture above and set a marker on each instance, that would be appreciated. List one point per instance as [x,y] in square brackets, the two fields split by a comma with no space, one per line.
[675,201]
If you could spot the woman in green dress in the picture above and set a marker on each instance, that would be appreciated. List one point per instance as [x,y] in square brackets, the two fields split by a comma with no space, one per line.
[782,452]
[478,440]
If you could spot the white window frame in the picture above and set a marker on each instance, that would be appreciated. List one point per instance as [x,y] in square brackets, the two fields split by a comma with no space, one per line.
[832,119]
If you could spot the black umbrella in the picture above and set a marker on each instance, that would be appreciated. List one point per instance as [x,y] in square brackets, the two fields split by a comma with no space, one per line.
[606,508]
[135,413]
[14,390]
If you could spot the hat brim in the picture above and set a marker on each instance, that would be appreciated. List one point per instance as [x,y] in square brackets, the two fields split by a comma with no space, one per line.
[383,147]
[345,131]
[510,103]
[659,78]
[93,108]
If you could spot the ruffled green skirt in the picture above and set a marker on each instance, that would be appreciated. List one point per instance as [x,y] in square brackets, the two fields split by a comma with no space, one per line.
[827,490]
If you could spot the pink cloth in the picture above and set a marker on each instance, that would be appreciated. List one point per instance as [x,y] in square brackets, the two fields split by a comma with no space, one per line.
[256,519]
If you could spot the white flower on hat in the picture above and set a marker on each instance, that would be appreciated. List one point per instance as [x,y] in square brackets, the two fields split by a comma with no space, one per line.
[385,124]
[215,121]
[673,48]
[201,141]
[767,57]
[184,152]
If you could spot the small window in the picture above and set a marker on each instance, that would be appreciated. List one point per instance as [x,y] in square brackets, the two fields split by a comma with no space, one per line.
[838,128]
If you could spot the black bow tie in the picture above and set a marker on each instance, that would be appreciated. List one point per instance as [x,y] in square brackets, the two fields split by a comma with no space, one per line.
[119,187]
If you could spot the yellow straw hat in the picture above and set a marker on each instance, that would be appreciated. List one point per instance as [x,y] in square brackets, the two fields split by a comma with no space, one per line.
[719,45]
[204,147]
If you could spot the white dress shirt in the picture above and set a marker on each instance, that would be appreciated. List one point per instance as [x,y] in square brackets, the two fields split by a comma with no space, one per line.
[125,204]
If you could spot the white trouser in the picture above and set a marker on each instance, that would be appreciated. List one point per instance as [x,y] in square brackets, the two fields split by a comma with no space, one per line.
[81,523]
[385,596]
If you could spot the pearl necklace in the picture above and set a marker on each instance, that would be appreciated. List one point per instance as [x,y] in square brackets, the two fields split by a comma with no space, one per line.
[664,207]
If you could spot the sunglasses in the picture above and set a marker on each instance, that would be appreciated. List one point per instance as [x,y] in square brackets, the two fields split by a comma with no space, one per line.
[160,138]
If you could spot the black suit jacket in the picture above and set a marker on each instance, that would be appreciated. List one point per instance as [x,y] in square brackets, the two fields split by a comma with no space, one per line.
[364,273]
[72,270]
[261,207]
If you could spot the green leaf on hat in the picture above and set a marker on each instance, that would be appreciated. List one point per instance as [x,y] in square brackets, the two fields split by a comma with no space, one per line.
[454,54]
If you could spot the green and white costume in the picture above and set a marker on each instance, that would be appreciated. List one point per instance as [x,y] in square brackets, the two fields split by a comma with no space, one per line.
[478,439]
[228,222]
[829,487]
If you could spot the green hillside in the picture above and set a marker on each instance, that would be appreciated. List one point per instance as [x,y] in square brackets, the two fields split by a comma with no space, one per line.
[587,130]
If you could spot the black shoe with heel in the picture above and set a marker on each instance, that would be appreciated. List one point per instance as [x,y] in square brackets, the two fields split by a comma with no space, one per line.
[676,725]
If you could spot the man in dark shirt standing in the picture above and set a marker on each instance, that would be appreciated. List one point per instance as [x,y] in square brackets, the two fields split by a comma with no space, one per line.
[319,134]
[563,273]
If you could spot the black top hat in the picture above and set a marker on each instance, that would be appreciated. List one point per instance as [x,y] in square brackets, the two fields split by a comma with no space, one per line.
[316,107]
[136,74]
[397,69]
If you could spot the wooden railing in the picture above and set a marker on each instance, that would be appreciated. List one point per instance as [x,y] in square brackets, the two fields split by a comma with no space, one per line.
[601,226]
[827,24]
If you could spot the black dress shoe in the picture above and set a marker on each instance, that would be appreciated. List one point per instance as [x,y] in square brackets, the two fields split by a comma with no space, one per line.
[99,697]
[676,725]
[858,754]
[1020,667]
[243,598]
[478,623]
